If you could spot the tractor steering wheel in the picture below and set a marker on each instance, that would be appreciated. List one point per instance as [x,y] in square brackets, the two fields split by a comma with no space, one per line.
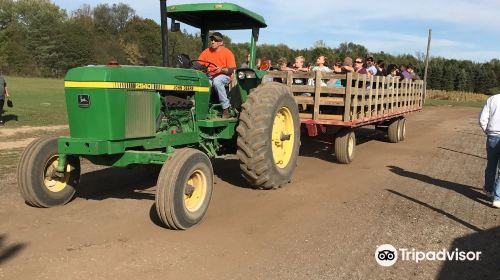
[205,70]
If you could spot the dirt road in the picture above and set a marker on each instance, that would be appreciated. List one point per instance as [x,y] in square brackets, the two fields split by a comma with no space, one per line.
[424,193]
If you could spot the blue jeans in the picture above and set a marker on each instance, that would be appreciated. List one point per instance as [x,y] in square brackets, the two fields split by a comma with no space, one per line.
[219,83]
[491,180]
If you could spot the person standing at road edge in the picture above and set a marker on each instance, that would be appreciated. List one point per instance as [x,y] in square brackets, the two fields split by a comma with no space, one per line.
[4,93]
[490,123]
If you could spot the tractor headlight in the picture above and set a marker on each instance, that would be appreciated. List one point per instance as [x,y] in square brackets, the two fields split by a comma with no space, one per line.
[246,74]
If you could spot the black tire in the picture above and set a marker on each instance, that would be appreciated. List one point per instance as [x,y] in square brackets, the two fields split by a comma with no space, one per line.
[266,104]
[35,175]
[172,203]
[393,131]
[345,143]
[402,129]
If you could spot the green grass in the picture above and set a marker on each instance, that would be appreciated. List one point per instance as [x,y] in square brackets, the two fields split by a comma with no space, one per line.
[455,98]
[435,102]
[37,102]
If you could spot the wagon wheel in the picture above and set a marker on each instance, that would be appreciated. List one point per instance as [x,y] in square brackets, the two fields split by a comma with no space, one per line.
[345,142]
[393,131]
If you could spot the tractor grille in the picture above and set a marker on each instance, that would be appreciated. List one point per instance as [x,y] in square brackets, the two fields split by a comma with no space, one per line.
[139,114]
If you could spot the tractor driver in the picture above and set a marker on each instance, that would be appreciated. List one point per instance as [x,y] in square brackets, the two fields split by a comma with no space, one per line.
[221,70]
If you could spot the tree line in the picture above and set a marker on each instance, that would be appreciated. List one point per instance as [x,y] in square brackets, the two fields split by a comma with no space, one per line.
[38,38]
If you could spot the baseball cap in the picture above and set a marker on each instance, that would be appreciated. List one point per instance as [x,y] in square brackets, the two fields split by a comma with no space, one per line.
[217,36]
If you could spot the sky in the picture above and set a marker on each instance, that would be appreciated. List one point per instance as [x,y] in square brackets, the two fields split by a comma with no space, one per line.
[461,29]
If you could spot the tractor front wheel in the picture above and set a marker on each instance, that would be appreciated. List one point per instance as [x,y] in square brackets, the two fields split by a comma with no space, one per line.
[184,189]
[269,136]
[39,183]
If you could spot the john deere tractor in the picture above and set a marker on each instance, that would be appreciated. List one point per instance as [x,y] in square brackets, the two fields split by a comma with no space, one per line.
[168,117]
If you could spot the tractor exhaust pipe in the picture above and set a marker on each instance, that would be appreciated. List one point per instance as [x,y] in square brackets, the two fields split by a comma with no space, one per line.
[164,32]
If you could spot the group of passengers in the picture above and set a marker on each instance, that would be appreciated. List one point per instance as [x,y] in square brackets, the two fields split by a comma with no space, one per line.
[360,66]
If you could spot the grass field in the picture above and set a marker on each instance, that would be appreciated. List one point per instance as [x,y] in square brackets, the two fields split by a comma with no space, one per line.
[41,102]
[37,102]
[455,98]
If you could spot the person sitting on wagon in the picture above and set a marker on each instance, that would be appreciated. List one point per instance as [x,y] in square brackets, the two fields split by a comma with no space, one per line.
[299,67]
[347,65]
[380,68]
[359,66]
[283,65]
[392,71]
[404,74]
[320,66]
[221,68]
[411,70]
[370,67]
[337,66]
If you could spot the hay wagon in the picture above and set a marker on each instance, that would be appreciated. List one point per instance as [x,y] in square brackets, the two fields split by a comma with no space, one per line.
[358,101]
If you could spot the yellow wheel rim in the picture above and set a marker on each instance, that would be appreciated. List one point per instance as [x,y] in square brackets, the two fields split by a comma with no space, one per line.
[195,191]
[52,182]
[350,145]
[283,137]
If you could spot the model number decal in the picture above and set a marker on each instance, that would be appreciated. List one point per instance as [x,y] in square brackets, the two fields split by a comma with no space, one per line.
[184,88]
[144,86]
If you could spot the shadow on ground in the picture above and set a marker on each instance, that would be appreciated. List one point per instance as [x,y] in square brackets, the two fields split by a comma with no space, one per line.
[10,117]
[114,182]
[9,252]
[485,241]
[322,146]
[228,170]
[440,211]
[460,152]
[135,182]
[487,267]
[467,191]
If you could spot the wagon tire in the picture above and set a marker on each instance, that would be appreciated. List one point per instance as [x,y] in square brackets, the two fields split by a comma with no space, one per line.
[345,143]
[393,131]
[402,129]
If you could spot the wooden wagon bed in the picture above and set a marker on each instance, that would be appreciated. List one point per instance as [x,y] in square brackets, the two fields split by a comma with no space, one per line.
[359,101]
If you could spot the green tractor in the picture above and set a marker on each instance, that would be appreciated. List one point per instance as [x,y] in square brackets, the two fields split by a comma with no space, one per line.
[164,117]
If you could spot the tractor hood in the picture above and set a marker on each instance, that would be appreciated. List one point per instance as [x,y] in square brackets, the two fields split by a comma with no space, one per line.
[136,77]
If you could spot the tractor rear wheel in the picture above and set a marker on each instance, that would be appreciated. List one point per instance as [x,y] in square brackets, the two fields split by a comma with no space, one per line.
[39,183]
[268,136]
[184,189]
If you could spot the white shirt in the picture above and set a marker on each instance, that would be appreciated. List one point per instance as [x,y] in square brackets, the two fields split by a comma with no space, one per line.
[372,69]
[490,116]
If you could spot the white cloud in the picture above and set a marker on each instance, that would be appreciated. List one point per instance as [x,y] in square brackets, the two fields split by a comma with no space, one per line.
[474,14]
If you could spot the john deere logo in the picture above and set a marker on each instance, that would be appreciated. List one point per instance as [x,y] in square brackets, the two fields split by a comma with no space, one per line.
[83,100]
